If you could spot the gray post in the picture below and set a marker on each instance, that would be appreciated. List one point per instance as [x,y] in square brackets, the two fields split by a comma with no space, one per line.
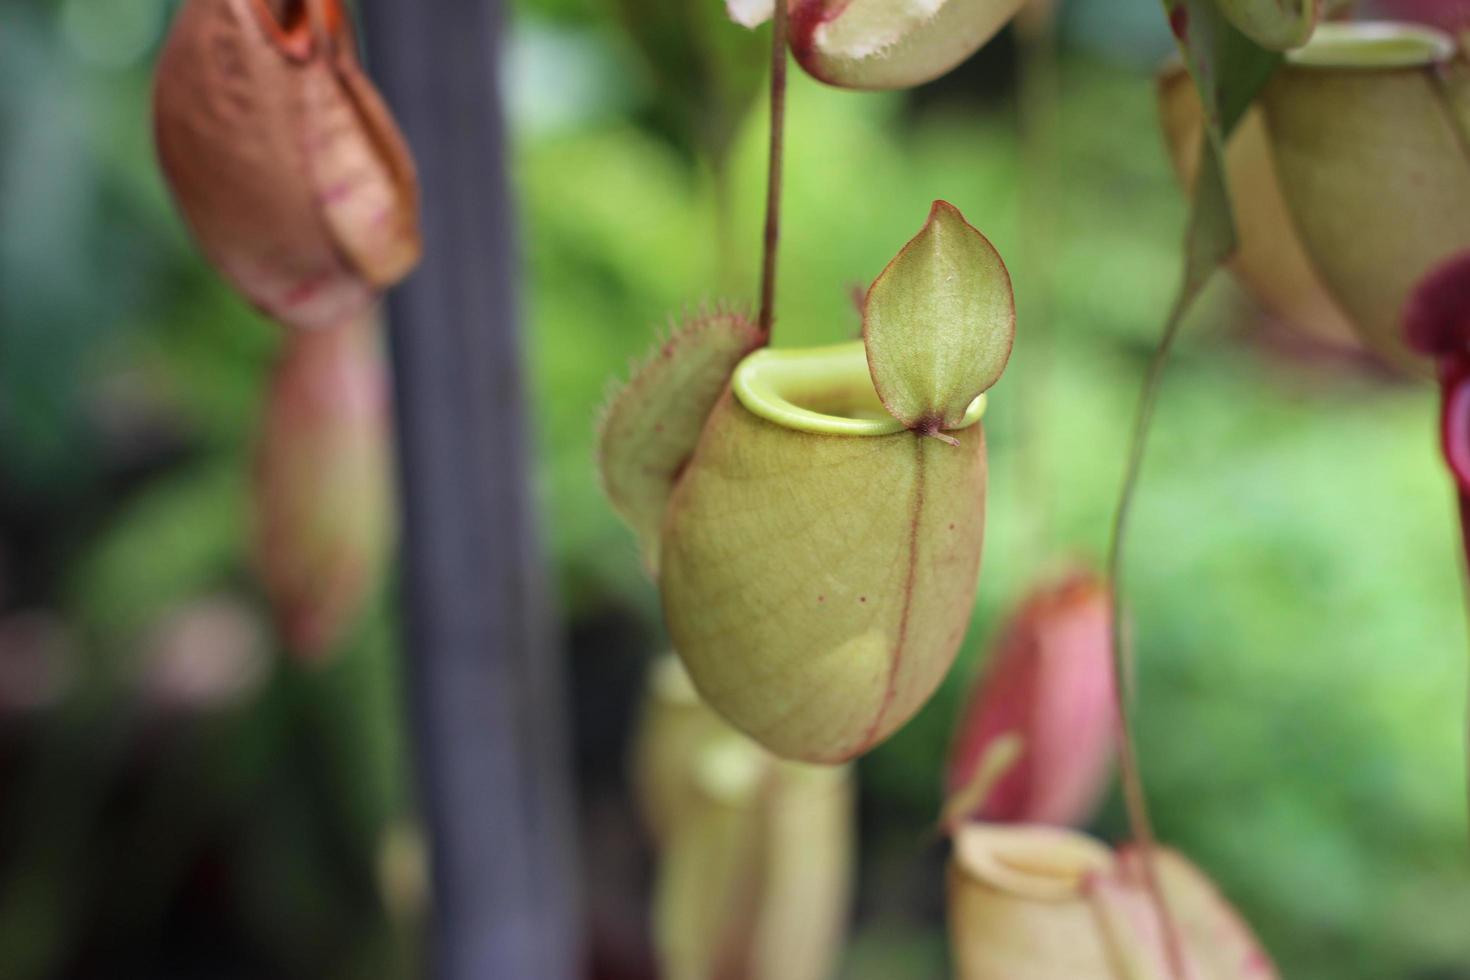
[486,682]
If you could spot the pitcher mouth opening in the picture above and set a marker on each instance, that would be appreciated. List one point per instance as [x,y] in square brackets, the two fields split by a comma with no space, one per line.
[288,23]
[1373,44]
[825,390]
[1033,862]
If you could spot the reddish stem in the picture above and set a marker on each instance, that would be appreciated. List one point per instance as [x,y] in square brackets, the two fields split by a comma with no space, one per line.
[1142,830]
[1130,770]
[779,30]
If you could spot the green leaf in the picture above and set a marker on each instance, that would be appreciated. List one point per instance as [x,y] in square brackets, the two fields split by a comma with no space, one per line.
[1229,69]
[939,323]
[652,423]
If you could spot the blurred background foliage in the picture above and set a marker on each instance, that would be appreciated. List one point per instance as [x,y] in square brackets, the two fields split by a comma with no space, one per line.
[179,799]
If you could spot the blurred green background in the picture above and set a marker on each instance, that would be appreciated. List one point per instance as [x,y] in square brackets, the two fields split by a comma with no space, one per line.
[177,799]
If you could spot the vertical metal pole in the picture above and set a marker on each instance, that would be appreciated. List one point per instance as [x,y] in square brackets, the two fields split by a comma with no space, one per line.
[486,685]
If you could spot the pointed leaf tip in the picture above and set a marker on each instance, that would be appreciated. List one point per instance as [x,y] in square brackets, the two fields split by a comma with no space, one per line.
[939,323]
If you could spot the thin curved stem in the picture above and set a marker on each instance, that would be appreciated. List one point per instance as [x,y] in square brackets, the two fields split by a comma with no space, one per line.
[1130,771]
[779,28]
